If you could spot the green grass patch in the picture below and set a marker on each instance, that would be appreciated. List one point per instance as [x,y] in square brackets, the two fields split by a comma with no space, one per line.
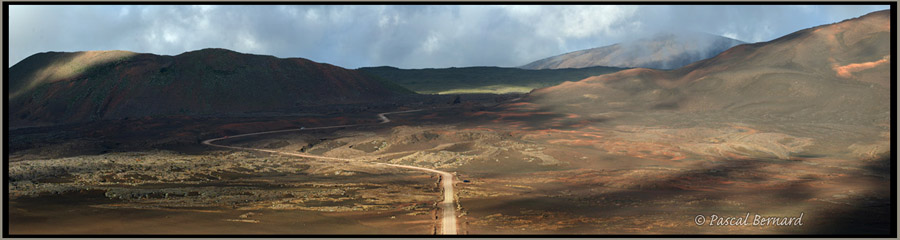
[480,79]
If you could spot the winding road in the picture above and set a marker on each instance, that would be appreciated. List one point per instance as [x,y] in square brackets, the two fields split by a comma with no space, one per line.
[448,213]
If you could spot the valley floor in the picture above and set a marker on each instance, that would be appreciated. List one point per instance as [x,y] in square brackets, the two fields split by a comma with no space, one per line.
[519,170]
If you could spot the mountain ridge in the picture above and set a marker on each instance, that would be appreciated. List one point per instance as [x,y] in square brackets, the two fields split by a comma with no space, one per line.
[92,85]
[661,51]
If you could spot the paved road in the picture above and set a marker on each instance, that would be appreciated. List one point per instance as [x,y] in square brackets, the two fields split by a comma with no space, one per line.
[448,213]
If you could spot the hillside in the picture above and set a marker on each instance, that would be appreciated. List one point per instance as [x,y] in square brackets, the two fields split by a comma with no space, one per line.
[56,87]
[832,73]
[822,92]
[662,51]
[481,79]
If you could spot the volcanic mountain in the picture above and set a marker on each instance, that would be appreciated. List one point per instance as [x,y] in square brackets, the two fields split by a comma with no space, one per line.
[60,87]
[836,73]
[662,51]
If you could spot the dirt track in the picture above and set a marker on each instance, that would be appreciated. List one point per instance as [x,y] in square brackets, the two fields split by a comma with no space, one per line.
[448,219]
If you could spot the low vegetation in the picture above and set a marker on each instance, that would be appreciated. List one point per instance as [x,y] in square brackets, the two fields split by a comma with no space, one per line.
[481,79]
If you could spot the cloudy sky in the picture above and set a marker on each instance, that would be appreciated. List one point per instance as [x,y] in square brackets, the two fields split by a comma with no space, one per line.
[405,36]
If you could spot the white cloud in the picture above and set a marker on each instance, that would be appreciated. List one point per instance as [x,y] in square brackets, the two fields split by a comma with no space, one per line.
[431,44]
[171,36]
[584,21]
[248,43]
[407,36]
[124,11]
[312,14]
[730,35]
[572,21]
[204,8]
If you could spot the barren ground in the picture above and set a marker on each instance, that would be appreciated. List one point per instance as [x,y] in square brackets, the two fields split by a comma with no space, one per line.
[520,171]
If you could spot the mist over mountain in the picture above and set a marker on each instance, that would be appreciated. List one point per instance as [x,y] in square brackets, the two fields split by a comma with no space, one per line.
[836,73]
[661,51]
[59,87]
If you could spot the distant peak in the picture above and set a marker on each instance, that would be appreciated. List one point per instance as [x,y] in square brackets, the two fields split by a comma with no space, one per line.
[212,50]
[216,50]
[684,35]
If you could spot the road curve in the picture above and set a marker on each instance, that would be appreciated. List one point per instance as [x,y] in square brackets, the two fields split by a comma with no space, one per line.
[448,213]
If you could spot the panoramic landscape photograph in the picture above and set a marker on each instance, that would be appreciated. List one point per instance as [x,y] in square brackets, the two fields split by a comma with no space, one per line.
[437,119]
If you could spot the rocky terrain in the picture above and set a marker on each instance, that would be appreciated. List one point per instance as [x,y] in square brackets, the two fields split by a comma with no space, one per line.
[155,171]
[239,183]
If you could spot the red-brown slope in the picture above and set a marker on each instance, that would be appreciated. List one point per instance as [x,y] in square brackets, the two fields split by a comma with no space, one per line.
[837,72]
[82,86]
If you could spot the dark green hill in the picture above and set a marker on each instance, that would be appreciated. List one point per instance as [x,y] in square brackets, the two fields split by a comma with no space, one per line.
[481,79]
[54,87]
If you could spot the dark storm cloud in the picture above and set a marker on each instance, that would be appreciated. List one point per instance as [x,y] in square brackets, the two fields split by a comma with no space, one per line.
[403,36]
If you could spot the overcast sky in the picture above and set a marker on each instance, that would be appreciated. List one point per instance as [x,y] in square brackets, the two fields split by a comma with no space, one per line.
[404,36]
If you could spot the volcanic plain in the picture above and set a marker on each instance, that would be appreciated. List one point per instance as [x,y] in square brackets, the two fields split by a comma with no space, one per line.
[797,126]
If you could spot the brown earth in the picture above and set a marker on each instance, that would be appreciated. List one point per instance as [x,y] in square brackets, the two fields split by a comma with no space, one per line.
[615,179]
